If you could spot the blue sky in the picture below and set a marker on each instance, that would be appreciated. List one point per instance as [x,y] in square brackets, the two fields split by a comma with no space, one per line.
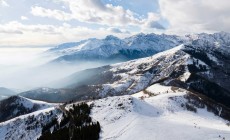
[45,22]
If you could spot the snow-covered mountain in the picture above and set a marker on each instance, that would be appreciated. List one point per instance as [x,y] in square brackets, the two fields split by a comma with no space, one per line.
[113,48]
[161,113]
[17,105]
[27,127]
[181,93]
[138,46]
[158,112]
[221,39]
[60,119]
[205,70]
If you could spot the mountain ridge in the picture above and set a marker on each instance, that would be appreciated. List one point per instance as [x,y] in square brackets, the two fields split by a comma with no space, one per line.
[112,48]
[184,90]
[181,66]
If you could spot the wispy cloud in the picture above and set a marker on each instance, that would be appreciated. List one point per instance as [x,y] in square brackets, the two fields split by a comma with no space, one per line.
[38,34]
[57,14]
[94,11]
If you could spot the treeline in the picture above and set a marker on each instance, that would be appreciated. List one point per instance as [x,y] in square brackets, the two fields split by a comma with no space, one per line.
[75,125]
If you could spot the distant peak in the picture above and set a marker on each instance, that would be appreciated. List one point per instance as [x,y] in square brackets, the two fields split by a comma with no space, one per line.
[222,33]
[111,37]
[139,35]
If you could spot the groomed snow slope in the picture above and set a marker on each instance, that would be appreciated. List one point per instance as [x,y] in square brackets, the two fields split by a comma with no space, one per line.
[159,117]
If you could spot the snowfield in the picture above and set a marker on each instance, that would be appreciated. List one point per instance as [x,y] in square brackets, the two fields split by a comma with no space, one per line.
[158,113]
[158,117]
[135,75]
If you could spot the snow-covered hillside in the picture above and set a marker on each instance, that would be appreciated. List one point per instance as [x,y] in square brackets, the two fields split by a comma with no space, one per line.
[17,105]
[203,69]
[29,126]
[158,112]
[160,117]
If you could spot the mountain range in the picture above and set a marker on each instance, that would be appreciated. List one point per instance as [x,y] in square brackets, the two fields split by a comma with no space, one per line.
[115,49]
[179,90]
[204,65]
[141,45]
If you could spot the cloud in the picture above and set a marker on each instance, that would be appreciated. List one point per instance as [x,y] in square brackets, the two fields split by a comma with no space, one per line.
[193,16]
[4,3]
[2,31]
[117,30]
[24,18]
[152,22]
[17,26]
[155,25]
[22,34]
[57,14]
[94,11]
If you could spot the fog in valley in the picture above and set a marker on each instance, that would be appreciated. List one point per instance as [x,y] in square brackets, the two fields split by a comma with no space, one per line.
[22,69]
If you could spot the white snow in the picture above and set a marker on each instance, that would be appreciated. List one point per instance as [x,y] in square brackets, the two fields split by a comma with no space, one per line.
[135,75]
[29,103]
[13,129]
[157,117]
[185,76]
[137,116]
[159,89]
